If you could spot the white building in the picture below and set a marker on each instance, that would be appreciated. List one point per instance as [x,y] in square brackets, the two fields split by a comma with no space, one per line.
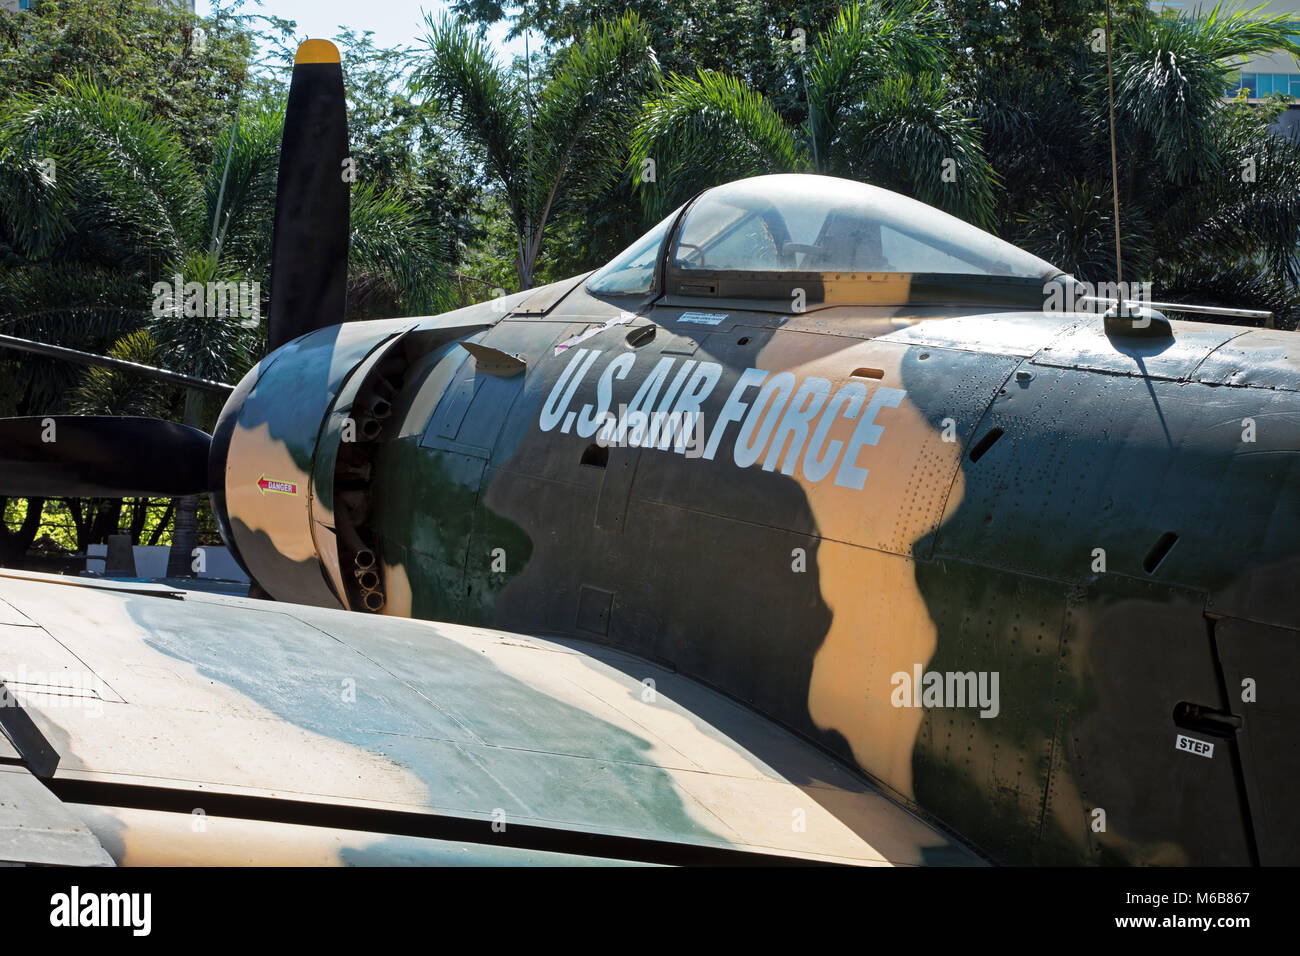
[1260,76]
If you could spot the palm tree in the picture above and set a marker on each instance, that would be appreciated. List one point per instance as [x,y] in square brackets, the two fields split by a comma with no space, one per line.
[550,150]
[878,110]
[1208,203]
[98,201]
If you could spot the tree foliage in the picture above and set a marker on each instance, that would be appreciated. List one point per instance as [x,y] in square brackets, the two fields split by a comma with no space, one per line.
[552,148]
[880,110]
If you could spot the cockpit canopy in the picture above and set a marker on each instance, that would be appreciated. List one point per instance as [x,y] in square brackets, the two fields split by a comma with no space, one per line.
[839,240]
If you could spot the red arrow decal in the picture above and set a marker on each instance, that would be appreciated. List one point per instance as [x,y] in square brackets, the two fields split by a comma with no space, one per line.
[278,487]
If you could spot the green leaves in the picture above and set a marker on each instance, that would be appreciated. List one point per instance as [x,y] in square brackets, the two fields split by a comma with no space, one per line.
[392,258]
[707,130]
[146,52]
[120,177]
[105,391]
[910,136]
[238,220]
[866,45]
[75,304]
[1073,227]
[557,146]
[123,208]
[212,346]
[483,99]
[880,111]
[584,115]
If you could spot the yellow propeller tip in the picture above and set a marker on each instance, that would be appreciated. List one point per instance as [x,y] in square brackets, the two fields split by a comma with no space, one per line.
[316,51]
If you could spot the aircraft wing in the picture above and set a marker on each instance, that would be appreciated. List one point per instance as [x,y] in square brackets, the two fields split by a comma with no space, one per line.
[184,727]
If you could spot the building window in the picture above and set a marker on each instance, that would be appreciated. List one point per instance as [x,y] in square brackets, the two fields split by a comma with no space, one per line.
[1260,85]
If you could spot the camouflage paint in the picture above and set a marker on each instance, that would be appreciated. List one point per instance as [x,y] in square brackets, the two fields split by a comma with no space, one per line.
[936,561]
[218,701]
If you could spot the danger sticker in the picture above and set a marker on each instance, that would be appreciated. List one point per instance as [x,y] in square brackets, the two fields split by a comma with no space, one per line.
[277,487]
[1202,748]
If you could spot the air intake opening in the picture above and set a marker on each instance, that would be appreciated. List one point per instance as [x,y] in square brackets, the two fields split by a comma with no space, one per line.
[597,456]
[984,444]
[641,336]
[868,373]
[1158,552]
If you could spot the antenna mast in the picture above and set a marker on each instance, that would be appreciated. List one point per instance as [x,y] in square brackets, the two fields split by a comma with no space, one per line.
[1114,164]
[528,107]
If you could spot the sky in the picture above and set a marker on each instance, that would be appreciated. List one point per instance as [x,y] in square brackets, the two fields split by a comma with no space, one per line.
[394,22]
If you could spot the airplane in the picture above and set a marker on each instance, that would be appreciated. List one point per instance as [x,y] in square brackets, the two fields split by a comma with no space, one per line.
[807,529]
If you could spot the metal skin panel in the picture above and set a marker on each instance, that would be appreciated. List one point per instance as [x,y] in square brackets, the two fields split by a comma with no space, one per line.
[1131,652]
[1258,667]
[1005,333]
[912,465]
[1091,461]
[541,300]
[1115,463]
[168,838]
[282,716]
[752,633]
[268,462]
[37,830]
[1088,346]
[987,621]
[742,641]
[805,596]
[1260,358]
[429,460]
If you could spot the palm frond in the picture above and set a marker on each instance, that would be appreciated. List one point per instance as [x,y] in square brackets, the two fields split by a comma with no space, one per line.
[116,169]
[909,135]
[244,221]
[1170,76]
[1250,211]
[1236,284]
[867,43]
[106,391]
[208,344]
[1073,228]
[461,76]
[394,255]
[585,114]
[77,305]
[706,130]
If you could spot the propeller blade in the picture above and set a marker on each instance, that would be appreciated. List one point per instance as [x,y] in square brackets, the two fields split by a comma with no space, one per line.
[309,247]
[107,361]
[100,456]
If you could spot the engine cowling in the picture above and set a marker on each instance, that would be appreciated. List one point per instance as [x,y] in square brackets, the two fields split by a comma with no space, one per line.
[266,445]
[290,456]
